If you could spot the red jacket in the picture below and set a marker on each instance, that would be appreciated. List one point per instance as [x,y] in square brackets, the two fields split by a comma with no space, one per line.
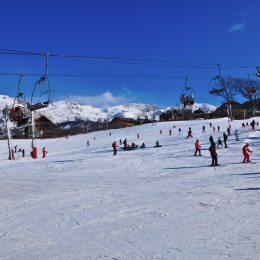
[114,145]
[197,145]
[246,149]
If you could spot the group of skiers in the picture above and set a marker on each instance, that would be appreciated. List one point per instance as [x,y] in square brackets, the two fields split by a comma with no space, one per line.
[212,148]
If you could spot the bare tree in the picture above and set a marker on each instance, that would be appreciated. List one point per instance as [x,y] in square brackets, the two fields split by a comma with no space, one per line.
[229,91]
[250,90]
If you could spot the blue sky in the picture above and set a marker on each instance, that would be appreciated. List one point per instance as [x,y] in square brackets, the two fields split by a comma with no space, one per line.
[212,32]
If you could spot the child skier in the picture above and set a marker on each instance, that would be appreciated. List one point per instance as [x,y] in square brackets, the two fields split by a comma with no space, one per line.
[197,147]
[219,142]
[246,152]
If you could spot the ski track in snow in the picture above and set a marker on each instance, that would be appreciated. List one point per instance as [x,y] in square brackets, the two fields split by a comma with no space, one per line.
[154,203]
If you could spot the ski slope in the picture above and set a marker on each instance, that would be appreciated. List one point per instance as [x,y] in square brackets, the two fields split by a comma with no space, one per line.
[155,203]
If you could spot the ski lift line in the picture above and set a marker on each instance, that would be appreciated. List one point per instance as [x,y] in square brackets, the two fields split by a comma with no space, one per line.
[102,75]
[120,59]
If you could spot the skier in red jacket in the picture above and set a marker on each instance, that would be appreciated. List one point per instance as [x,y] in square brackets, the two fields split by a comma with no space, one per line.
[114,147]
[197,147]
[246,152]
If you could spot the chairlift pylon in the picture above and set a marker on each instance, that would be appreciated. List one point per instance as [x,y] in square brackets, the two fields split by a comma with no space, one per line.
[214,84]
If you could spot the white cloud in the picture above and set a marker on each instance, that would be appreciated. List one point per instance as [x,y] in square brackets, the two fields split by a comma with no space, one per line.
[103,100]
[238,27]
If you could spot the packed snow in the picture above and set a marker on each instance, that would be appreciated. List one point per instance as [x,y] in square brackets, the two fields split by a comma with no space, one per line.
[155,203]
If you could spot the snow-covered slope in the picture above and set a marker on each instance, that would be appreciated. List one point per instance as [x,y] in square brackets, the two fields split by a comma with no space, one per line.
[81,202]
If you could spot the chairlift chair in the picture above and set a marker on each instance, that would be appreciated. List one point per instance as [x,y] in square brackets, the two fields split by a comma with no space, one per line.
[187,97]
[42,87]
[214,84]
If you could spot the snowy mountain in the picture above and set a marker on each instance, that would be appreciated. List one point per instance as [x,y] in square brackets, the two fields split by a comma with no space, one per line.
[65,111]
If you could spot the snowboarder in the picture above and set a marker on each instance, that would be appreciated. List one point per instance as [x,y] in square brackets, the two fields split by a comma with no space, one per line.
[114,147]
[203,129]
[246,152]
[237,135]
[197,147]
[225,137]
[157,144]
[44,152]
[142,146]
[213,154]
[219,142]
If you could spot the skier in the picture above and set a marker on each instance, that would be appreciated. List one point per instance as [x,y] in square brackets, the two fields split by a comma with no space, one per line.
[15,148]
[160,132]
[125,144]
[44,152]
[120,141]
[237,135]
[219,142]
[189,134]
[12,154]
[203,129]
[114,147]
[213,154]
[23,152]
[253,125]
[213,128]
[211,139]
[210,124]
[138,136]
[225,137]
[247,125]
[87,143]
[228,130]
[170,132]
[179,131]
[218,128]
[243,125]
[246,152]
[197,147]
